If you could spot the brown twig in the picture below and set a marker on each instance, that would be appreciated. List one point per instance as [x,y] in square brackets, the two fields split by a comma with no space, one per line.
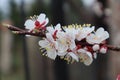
[19,31]
[113,48]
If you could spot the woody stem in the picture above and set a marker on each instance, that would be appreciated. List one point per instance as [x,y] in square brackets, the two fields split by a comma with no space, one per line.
[41,34]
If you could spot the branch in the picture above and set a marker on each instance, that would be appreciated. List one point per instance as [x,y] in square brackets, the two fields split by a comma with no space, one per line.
[114,48]
[19,31]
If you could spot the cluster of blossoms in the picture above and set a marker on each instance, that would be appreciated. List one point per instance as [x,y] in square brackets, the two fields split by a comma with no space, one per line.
[70,43]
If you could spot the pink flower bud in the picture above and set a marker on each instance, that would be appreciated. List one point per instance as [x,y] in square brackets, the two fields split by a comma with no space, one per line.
[103,49]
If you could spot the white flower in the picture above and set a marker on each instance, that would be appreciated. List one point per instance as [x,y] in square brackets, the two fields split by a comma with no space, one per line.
[70,37]
[83,32]
[62,43]
[85,56]
[50,45]
[38,23]
[52,29]
[99,36]
[96,47]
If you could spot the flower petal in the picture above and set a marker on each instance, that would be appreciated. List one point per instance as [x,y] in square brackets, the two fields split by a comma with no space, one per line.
[105,36]
[90,39]
[49,37]
[41,17]
[58,27]
[29,24]
[99,31]
[46,21]
[50,29]
[73,56]
[89,59]
[51,53]
[43,43]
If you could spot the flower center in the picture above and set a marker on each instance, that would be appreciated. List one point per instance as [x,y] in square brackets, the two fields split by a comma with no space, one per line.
[37,23]
[54,34]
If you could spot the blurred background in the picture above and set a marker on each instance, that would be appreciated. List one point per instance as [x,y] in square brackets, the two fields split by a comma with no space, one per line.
[20,57]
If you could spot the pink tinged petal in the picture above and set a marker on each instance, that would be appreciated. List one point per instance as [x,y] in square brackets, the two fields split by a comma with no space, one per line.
[96,47]
[51,53]
[43,43]
[89,59]
[74,56]
[103,50]
[29,24]
[41,17]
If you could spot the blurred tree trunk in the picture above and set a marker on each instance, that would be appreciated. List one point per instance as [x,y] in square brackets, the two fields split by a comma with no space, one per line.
[41,67]
[60,66]
[6,53]
[114,22]
[24,45]
[102,60]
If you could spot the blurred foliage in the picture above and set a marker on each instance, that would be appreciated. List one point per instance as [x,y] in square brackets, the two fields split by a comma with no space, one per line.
[14,13]
[1,15]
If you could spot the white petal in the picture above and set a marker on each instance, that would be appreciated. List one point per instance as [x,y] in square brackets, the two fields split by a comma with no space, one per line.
[82,51]
[29,24]
[96,47]
[92,28]
[49,37]
[58,27]
[73,56]
[50,29]
[72,44]
[51,53]
[62,47]
[46,21]
[90,39]
[99,31]
[106,35]
[89,59]
[61,53]
[41,17]
[61,36]
[43,43]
